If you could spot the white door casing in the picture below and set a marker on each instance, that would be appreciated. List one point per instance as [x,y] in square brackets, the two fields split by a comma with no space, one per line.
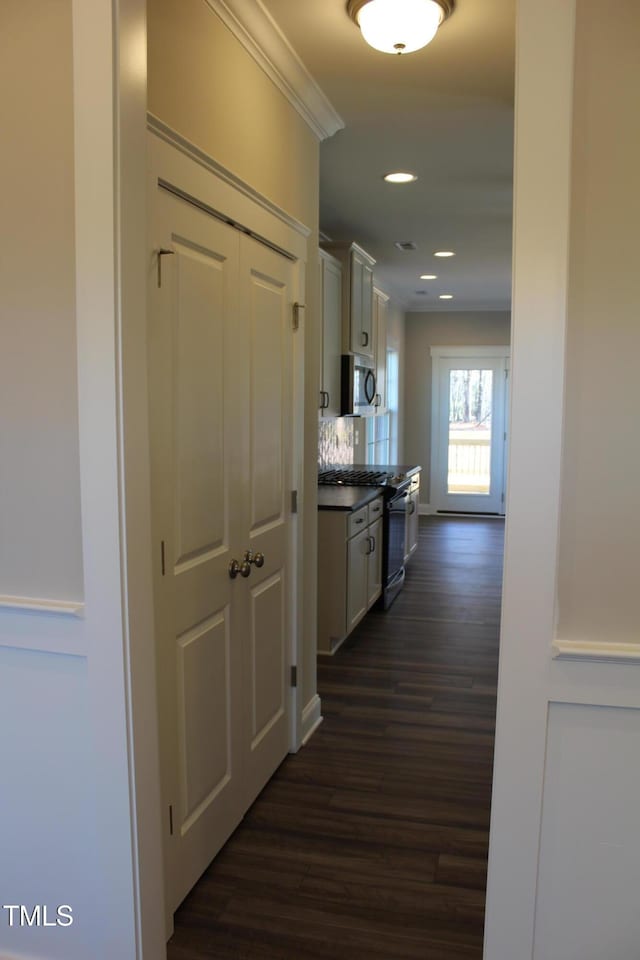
[221,390]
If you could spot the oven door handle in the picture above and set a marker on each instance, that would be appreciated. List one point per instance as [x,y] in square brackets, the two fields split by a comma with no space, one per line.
[396,499]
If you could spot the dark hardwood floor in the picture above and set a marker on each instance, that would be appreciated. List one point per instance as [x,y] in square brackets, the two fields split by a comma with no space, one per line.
[371,842]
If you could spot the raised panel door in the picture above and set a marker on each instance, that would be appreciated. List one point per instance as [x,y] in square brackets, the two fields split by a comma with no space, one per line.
[374,562]
[267,296]
[380,337]
[357,550]
[195,344]
[366,314]
[331,337]
[357,266]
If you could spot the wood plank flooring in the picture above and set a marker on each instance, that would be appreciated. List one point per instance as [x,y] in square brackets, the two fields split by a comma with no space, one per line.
[371,842]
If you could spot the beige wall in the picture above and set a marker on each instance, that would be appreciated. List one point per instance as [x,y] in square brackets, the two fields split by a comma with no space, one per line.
[600,520]
[40,539]
[204,85]
[423,331]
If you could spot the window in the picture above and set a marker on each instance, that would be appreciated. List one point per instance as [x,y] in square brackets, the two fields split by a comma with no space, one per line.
[382,430]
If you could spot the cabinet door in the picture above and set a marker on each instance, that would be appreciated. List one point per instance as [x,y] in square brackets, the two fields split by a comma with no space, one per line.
[380,339]
[366,315]
[357,563]
[356,341]
[331,338]
[374,562]
[411,539]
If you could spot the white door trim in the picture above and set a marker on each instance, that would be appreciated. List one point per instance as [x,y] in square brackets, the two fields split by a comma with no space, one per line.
[544,125]
[109,85]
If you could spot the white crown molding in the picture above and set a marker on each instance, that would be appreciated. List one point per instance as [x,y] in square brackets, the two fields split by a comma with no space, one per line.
[262,38]
[596,651]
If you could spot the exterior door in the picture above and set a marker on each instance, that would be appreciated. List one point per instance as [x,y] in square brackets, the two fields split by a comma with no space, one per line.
[468,440]
[220,373]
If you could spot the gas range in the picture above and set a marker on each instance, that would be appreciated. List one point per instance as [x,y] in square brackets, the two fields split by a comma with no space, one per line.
[361,477]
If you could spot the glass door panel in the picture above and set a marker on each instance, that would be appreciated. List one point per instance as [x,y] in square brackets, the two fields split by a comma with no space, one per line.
[469,453]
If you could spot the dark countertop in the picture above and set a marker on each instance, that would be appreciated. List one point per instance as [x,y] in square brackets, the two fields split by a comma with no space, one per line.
[336,497]
[345,498]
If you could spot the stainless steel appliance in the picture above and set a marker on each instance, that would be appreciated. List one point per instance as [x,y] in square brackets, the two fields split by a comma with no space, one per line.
[395,490]
[357,386]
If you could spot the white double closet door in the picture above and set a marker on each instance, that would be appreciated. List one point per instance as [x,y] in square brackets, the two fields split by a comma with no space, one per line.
[220,369]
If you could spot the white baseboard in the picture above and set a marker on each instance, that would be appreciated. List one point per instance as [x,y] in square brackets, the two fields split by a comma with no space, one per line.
[311,718]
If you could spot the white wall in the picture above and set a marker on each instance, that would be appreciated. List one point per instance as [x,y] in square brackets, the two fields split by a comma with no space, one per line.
[600,526]
[564,863]
[423,331]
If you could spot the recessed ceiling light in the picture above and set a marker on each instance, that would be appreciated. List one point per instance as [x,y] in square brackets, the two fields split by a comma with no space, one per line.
[400,177]
[444,253]
[428,276]
[446,296]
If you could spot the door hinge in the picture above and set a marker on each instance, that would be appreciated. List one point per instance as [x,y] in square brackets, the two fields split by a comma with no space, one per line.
[162,252]
[170,819]
[294,501]
[294,676]
[502,498]
[297,307]
[162,564]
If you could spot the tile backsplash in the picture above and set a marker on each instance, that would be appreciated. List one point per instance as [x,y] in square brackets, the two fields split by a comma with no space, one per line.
[335,441]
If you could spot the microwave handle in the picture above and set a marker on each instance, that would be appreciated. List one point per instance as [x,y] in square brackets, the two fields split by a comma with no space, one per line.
[370,386]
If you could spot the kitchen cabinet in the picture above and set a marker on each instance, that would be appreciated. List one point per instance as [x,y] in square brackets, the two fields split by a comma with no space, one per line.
[331,328]
[380,307]
[349,570]
[412,518]
[357,298]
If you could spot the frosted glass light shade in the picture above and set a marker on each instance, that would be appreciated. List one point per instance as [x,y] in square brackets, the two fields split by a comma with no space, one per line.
[399,26]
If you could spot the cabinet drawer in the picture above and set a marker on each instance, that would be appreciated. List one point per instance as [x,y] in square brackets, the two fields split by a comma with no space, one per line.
[357,521]
[375,510]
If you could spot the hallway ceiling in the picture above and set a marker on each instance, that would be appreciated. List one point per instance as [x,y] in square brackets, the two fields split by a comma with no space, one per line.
[444,113]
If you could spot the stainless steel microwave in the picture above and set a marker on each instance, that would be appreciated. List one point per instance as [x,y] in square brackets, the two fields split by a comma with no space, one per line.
[358,386]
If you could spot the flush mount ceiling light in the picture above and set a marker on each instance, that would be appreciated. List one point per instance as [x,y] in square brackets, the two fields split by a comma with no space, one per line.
[400,177]
[446,296]
[399,26]
[428,276]
[444,253]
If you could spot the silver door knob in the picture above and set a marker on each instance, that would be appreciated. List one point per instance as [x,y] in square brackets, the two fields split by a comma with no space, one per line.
[235,568]
[256,558]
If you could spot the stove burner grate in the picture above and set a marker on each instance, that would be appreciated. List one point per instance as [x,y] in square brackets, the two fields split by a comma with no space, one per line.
[355,478]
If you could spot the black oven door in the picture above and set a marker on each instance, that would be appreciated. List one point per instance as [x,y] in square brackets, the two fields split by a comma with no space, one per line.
[393,566]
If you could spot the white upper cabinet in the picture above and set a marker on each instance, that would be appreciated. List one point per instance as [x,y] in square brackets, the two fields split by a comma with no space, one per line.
[380,308]
[331,348]
[357,298]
